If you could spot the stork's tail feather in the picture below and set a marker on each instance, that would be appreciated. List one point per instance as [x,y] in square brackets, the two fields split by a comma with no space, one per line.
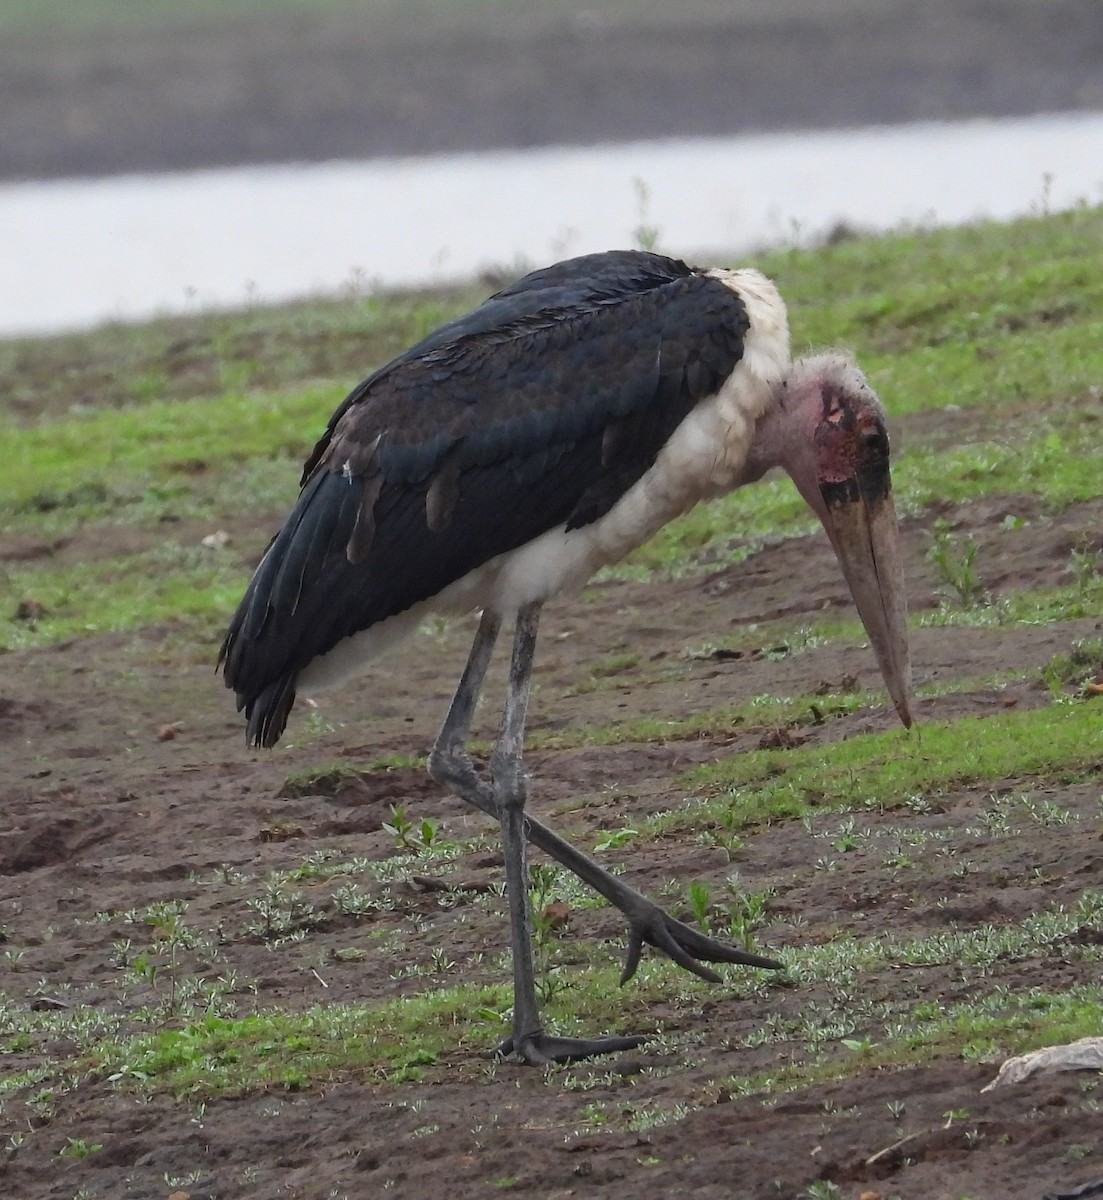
[267,713]
[266,710]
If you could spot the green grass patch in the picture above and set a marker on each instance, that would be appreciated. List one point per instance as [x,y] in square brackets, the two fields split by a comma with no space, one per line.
[762,712]
[996,1026]
[71,461]
[398,1040]
[1062,742]
[195,586]
[1029,606]
[393,1041]
[186,417]
[272,349]
[1052,457]
[960,310]
[156,499]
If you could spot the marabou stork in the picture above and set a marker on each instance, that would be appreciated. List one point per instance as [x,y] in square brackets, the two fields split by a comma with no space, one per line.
[509,455]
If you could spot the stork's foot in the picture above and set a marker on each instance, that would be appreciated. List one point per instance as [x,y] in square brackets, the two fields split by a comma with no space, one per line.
[687,946]
[539,1049]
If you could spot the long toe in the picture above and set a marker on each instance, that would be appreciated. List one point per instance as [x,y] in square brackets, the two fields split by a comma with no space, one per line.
[686,946]
[540,1049]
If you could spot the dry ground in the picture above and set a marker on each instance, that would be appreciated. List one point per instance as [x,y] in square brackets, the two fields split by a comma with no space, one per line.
[126,782]
[124,87]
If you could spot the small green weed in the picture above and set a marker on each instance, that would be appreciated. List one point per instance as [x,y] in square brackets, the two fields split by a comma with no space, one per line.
[79,1148]
[699,900]
[421,837]
[746,912]
[1079,665]
[953,557]
[281,912]
[546,915]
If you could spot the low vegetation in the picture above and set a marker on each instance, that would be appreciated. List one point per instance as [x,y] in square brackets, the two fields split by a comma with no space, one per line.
[128,452]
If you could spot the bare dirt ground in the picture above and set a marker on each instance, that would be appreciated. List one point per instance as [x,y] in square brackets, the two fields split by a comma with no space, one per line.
[195,86]
[104,812]
[125,780]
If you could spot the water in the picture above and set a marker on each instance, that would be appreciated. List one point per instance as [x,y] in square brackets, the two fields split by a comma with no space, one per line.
[74,254]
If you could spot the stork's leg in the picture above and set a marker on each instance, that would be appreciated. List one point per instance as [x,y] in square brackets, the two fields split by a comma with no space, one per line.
[449,763]
[529,1042]
[505,798]
[451,766]
[647,922]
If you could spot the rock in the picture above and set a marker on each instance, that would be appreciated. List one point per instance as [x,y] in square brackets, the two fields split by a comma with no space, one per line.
[1083,1055]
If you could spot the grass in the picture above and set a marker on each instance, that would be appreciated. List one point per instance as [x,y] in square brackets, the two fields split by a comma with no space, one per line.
[64,463]
[981,315]
[188,586]
[141,443]
[392,1041]
[407,1039]
[1048,455]
[184,358]
[1058,743]
[1002,1025]
[135,442]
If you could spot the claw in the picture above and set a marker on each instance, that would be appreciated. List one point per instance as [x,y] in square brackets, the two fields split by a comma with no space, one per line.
[540,1049]
[632,958]
[685,946]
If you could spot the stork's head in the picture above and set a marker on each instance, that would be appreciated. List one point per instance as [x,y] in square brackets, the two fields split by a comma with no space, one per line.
[826,428]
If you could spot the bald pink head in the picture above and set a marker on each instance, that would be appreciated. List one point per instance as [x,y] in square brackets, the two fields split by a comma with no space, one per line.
[827,430]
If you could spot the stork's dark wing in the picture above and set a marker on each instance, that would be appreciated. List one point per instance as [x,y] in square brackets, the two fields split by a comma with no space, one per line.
[541,407]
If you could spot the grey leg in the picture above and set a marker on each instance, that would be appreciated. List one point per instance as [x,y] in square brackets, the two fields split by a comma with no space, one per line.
[451,766]
[529,1042]
[510,791]
[647,922]
[449,763]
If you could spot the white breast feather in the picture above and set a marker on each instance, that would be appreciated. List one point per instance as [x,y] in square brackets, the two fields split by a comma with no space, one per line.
[702,459]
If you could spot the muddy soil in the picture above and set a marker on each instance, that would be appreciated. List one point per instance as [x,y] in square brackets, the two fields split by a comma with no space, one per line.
[126,782]
[309,82]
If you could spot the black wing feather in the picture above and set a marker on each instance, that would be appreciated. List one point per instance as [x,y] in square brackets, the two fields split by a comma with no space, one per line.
[544,405]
